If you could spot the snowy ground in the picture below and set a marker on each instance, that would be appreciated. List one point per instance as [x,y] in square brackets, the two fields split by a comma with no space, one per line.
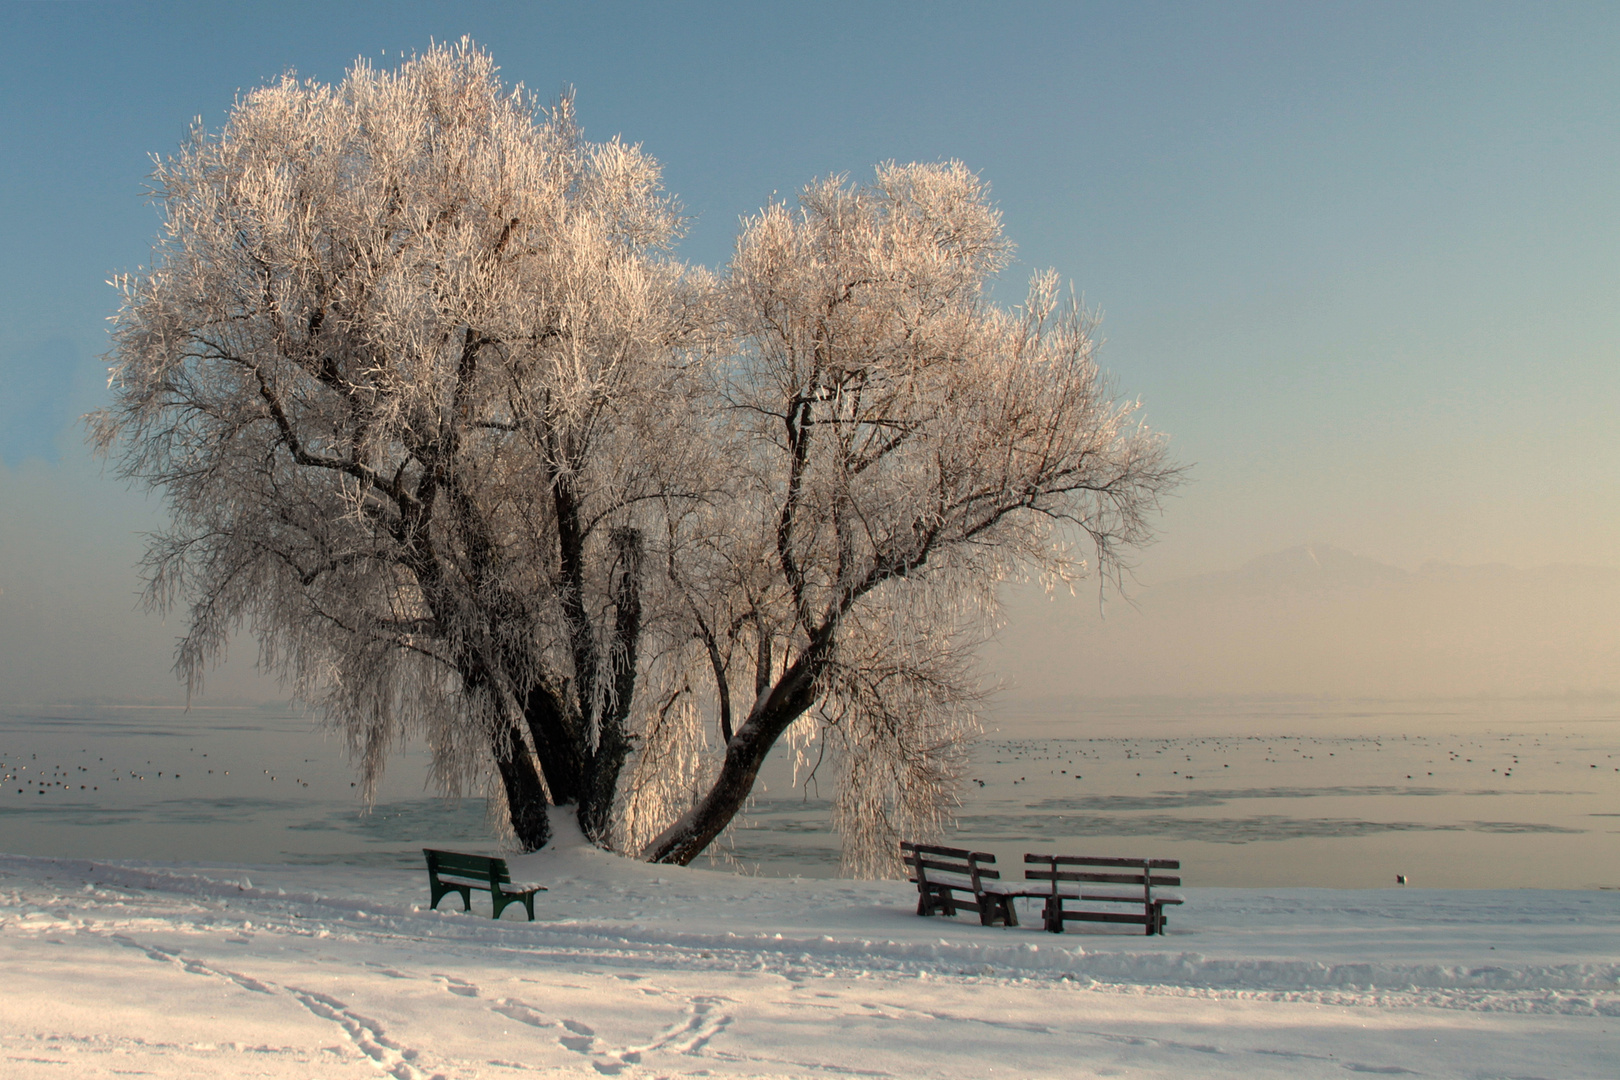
[639,971]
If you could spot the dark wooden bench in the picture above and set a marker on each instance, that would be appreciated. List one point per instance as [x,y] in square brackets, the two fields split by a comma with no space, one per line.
[1065,880]
[452,872]
[951,879]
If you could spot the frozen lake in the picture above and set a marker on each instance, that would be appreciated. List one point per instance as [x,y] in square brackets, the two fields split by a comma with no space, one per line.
[1276,794]
[1342,795]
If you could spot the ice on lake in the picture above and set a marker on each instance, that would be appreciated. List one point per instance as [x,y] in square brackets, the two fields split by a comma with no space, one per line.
[1272,793]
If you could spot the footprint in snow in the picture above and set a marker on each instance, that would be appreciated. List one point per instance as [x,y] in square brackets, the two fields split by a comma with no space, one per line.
[582,1039]
[457,986]
[513,1009]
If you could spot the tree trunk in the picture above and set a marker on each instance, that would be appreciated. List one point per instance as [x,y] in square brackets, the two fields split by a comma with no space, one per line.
[612,742]
[525,794]
[794,693]
[556,740]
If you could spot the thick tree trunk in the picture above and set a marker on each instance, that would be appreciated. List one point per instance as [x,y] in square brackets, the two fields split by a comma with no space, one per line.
[794,693]
[596,809]
[562,753]
[612,741]
[525,794]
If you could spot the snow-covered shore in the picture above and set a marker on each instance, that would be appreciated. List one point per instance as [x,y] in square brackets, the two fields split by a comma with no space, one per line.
[633,970]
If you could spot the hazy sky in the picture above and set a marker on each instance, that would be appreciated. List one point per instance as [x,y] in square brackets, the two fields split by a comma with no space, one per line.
[1362,262]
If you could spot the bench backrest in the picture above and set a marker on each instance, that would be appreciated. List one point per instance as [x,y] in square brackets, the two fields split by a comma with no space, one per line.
[1060,868]
[472,866]
[924,861]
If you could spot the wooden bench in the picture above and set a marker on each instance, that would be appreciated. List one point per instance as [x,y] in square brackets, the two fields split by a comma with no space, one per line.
[949,879]
[453,872]
[1063,880]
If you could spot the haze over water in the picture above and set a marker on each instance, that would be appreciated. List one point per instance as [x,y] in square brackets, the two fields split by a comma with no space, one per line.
[1451,794]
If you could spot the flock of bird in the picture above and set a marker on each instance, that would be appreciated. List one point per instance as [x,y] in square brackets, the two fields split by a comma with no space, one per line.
[1400,757]
[1460,760]
[26,775]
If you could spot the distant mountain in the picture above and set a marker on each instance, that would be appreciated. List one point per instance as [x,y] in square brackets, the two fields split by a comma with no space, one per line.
[1306,569]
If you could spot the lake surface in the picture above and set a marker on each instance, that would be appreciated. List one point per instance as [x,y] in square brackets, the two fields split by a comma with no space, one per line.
[1273,793]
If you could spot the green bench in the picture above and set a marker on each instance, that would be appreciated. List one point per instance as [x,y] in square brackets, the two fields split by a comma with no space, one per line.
[454,872]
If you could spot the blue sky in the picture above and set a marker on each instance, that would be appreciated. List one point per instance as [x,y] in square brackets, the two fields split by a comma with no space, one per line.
[1361,261]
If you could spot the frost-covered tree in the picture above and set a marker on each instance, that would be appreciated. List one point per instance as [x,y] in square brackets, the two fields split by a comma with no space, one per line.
[896,445]
[440,421]
[399,368]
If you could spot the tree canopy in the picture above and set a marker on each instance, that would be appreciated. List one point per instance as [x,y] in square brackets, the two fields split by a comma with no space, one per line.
[441,421]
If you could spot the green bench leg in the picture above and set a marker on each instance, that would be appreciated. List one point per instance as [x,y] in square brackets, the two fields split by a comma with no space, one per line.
[441,893]
[502,899]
